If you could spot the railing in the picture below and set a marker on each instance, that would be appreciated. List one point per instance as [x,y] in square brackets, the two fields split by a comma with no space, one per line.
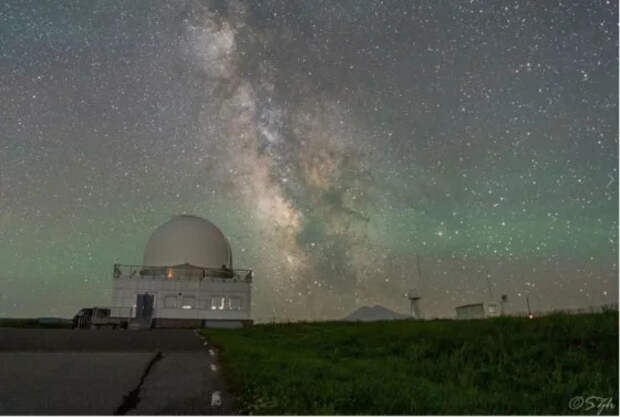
[185,271]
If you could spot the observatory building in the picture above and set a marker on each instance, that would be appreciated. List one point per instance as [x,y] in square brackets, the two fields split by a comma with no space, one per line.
[186,280]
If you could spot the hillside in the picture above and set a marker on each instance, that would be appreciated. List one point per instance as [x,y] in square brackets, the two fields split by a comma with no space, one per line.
[507,365]
[375,313]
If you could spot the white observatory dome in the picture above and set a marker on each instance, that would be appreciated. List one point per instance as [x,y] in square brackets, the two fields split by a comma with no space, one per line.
[188,239]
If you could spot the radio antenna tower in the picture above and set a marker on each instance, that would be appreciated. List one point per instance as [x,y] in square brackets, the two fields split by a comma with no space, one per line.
[414,295]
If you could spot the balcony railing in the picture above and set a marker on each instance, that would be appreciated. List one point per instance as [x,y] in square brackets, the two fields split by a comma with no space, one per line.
[185,271]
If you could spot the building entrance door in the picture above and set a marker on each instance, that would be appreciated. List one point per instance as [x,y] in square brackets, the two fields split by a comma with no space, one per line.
[144,307]
[144,312]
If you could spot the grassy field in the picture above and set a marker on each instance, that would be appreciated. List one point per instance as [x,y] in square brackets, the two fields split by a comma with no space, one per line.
[506,365]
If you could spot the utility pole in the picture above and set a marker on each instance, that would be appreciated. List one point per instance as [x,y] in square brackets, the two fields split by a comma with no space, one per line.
[419,273]
[489,285]
[414,294]
[529,312]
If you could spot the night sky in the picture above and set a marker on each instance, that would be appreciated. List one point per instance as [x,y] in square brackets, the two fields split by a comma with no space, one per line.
[333,142]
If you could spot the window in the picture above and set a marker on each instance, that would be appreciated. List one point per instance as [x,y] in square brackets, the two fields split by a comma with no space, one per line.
[102,313]
[170,301]
[188,302]
[234,303]
[218,303]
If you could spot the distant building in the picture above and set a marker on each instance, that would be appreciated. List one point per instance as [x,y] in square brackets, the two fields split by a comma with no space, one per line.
[478,310]
[186,280]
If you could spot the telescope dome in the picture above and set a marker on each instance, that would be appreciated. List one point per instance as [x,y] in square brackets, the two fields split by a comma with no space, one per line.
[190,240]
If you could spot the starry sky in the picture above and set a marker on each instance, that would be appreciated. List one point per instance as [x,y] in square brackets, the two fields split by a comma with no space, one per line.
[333,142]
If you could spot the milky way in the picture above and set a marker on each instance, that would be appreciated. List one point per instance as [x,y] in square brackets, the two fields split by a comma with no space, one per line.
[334,143]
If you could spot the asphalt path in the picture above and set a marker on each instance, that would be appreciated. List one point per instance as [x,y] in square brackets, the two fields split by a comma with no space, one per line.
[105,372]
[58,340]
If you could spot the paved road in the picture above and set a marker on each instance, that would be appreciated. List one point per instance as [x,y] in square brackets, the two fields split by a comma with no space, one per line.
[162,394]
[58,371]
[58,340]
[67,382]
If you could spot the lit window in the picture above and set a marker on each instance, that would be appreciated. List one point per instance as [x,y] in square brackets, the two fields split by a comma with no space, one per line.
[218,303]
[170,273]
[188,302]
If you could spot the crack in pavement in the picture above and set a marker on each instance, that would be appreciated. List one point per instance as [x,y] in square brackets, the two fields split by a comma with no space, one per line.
[131,400]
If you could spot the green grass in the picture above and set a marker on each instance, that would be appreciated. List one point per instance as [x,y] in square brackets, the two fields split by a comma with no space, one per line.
[506,365]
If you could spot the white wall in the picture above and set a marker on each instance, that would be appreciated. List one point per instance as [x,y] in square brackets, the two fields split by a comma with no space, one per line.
[196,292]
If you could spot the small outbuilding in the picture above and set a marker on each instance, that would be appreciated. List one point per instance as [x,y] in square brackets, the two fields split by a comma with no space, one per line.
[478,310]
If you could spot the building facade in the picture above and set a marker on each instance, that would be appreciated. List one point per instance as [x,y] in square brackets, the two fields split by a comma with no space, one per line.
[186,280]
